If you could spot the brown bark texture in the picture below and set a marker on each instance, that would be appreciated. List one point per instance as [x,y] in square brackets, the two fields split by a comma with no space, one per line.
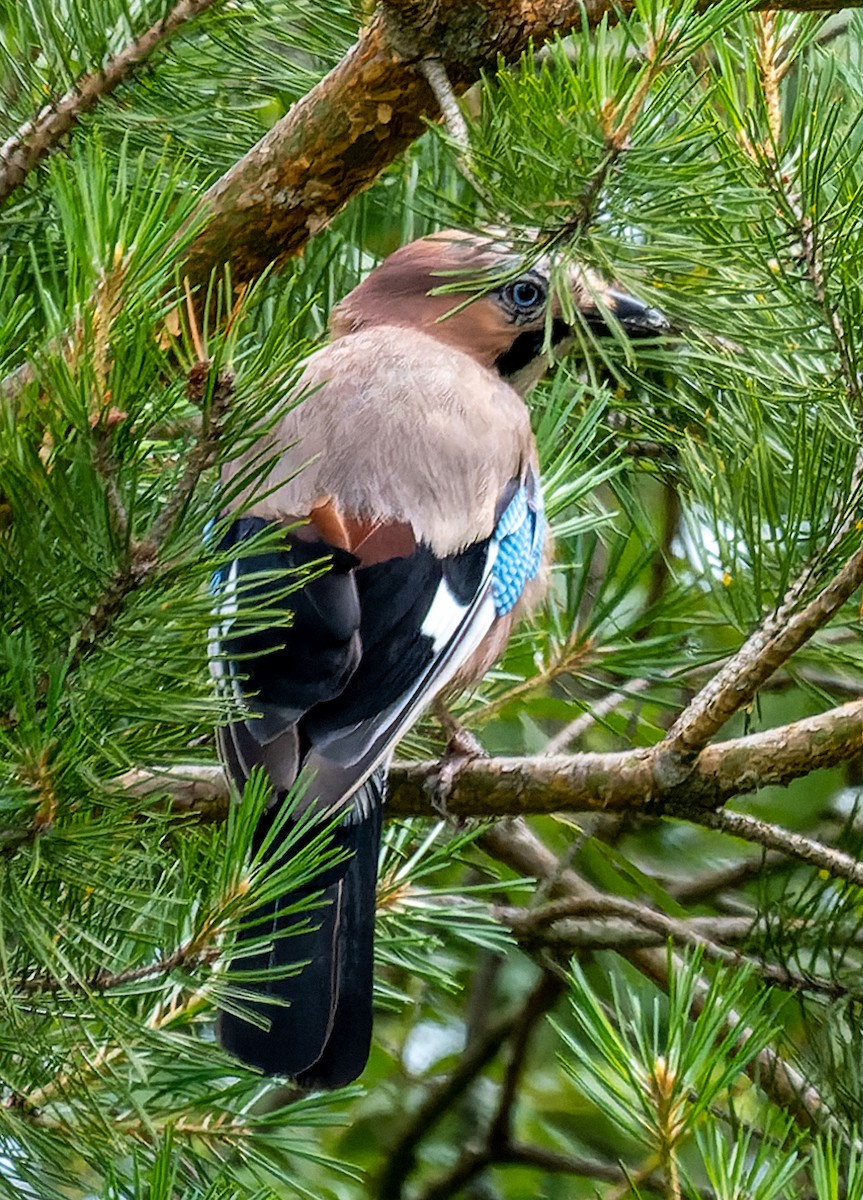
[624,781]
[336,140]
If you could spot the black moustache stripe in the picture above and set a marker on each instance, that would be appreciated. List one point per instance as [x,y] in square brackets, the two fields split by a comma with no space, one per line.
[527,347]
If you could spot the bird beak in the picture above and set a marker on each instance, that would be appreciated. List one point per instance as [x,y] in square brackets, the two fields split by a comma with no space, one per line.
[637,319]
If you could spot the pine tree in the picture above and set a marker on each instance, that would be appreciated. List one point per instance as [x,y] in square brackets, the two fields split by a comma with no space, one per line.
[627,960]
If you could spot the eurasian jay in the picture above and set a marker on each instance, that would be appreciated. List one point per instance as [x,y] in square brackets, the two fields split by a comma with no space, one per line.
[409,468]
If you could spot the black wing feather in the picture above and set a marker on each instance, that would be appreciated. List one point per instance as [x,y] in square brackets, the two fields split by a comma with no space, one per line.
[331,688]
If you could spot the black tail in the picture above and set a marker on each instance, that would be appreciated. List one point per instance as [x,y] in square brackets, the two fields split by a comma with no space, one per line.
[320,1028]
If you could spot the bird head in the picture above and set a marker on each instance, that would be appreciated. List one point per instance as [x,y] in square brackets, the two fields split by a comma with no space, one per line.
[475,293]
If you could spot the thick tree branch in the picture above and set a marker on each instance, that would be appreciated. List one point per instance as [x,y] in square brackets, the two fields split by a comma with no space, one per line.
[625,781]
[36,138]
[336,140]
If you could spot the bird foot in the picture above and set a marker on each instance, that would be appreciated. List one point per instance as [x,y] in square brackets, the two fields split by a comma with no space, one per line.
[462,747]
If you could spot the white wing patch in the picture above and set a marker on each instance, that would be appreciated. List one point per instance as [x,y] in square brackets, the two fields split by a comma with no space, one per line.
[220,672]
[443,618]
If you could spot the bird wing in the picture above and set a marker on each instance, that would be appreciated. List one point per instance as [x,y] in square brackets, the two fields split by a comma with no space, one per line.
[344,664]
[383,557]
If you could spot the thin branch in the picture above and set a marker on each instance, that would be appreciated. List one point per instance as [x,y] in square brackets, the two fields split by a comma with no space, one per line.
[781,635]
[544,927]
[401,1156]
[36,138]
[143,558]
[472,1163]
[541,1000]
[438,80]
[570,934]
[497,1146]
[796,845]
[190,955]
[598,710]
[706,884]
[202,454]
[514,844]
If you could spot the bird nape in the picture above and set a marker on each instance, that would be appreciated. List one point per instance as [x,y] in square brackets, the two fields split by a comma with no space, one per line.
[410,468]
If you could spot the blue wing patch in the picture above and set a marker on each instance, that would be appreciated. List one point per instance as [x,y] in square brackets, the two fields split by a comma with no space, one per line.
[519,535]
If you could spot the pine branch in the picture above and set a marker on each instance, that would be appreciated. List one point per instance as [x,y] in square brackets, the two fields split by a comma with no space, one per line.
[604,932]
[401,1156]
[364,114]
[546,927]
[540,1001]
[514,844]
[191,954]
[473,1162]
[622,781]
[36,138]
[780,636]
[835,862]
[337,139]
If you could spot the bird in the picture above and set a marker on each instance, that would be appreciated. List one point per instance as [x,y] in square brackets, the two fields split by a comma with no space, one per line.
[403,461]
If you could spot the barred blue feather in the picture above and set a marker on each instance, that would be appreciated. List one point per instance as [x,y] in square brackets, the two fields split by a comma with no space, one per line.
[519,535]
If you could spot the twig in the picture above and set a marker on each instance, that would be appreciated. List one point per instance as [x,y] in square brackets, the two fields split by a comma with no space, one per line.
[598,710]
[707,883]
[36,138]
[513,843]
[401,1156]
[782,633]
[519,1154]
[570,934]
[498,1148]
[191,954]
[201,456]
[531,928]
[660,568]
[436,76]
[796,845]
[541,1000]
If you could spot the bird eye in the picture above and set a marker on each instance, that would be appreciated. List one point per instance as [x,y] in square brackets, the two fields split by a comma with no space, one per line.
[525,294]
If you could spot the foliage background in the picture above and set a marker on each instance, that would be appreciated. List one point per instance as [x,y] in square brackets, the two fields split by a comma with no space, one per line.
[710,162]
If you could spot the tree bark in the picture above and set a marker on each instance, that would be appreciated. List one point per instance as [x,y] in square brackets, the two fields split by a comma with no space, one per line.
[336,140]
[624,781]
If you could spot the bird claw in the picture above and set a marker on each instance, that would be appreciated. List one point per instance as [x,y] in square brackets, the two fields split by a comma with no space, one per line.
[462,747]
